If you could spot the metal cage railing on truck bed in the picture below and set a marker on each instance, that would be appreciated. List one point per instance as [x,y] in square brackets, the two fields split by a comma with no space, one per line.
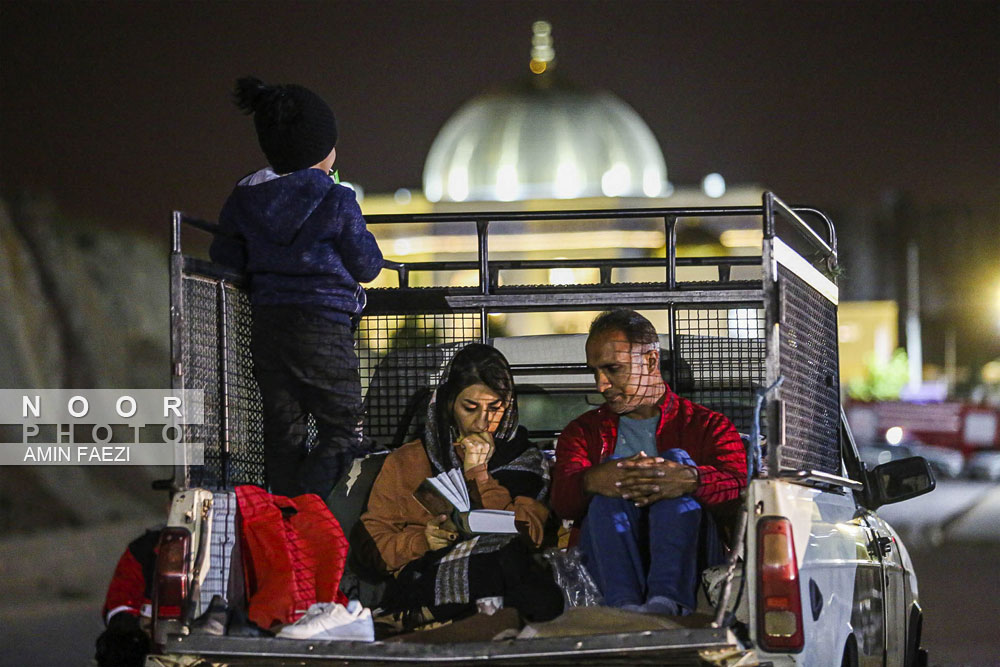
[725,337]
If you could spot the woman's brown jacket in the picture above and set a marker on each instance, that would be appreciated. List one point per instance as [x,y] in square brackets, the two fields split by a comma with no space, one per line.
[396,521]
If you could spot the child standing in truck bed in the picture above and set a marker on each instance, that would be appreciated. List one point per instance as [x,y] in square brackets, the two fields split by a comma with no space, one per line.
[303,243]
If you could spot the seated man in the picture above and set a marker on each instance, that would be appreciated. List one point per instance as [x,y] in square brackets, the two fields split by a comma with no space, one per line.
[635,473]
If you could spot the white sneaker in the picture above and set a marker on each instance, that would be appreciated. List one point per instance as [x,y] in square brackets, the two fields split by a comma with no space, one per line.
[360,629]
[293,630]
[315,609]
[326,620]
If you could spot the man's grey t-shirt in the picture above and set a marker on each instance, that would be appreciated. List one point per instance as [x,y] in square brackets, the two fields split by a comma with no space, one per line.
[636,435]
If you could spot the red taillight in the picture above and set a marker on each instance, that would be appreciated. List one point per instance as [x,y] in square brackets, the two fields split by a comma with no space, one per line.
[173,563]
[779,605]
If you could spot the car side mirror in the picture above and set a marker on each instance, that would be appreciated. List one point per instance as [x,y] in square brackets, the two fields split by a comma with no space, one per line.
[900,480]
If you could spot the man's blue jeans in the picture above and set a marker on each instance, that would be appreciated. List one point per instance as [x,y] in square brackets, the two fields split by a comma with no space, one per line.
[638,553]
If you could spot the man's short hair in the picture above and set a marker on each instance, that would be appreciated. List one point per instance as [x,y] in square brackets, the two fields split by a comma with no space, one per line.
[637,329]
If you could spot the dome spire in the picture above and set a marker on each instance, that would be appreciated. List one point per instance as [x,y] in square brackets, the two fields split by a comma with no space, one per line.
[543,56]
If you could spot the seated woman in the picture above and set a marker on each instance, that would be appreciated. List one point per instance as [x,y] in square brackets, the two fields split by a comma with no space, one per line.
[471,426]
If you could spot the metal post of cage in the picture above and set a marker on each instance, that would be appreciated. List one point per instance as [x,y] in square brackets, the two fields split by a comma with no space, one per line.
[672,336]
[670,238]
[828,246]
[772,321]
[223,324]
[483,246]
[181,469]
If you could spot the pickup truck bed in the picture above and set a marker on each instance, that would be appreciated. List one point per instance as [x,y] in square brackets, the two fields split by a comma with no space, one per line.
[834,584]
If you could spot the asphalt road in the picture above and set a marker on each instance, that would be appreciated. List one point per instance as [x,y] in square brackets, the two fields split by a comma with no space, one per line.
[47,634]
[960,593]
[953,534]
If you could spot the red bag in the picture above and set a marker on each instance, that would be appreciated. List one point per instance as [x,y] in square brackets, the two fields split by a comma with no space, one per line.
[293,554]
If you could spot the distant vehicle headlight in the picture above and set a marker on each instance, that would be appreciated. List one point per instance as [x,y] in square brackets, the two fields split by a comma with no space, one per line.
[894,435]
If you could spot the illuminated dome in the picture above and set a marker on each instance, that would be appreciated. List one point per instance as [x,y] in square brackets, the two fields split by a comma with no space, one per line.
[544,139]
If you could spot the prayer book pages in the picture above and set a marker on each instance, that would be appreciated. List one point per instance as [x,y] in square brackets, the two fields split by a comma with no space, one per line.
[451,485]
[448,494]
[491,521]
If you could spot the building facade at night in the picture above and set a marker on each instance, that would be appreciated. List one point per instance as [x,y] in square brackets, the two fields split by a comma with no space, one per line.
[545,143]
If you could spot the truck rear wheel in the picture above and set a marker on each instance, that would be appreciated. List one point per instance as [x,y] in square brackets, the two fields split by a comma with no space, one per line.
[914,656]
[850,658]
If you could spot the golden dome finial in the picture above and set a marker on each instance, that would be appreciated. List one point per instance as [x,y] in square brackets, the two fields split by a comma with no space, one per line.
[543,56]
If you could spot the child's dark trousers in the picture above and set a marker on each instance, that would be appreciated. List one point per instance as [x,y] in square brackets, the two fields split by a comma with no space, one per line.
[305,364]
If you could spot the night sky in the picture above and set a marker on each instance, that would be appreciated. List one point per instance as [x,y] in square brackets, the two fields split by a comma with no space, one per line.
[120,110]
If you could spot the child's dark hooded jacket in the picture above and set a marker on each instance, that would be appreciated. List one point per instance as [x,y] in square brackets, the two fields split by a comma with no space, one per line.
[301,239]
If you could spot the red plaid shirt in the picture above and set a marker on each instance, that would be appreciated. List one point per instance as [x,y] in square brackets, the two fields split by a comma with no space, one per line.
[708,436]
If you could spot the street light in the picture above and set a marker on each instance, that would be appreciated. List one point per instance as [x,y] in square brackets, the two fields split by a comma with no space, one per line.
[713,185]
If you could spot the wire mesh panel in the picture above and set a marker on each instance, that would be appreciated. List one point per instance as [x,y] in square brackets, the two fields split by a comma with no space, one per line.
[811,390]
[215,353]
[200,361]
[244,418]
[720,358]
[402,359]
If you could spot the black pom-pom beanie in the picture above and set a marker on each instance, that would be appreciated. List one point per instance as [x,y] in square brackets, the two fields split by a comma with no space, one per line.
[295,127]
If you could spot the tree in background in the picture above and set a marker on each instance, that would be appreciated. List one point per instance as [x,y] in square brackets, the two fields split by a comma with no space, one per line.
[883,380]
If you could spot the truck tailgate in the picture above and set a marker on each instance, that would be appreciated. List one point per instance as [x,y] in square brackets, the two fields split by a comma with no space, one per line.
[662,647]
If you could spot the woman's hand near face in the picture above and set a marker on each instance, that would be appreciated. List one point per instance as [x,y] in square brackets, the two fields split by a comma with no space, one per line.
[438,537]
[475,449]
